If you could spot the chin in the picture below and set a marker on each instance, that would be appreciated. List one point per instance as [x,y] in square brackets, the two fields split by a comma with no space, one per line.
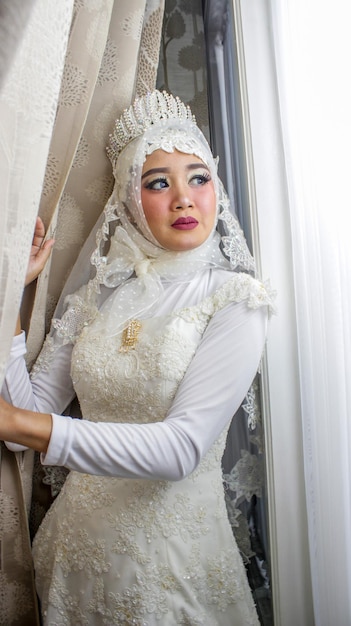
[185,246]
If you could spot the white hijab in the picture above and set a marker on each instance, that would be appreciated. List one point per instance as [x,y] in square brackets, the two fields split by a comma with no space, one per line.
[128,281]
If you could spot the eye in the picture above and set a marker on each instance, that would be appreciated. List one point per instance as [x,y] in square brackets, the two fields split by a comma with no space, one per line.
[200,179]
[156,184]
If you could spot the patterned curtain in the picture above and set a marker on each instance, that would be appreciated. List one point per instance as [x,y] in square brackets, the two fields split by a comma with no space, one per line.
[31,77]
[74,67]
[112,56]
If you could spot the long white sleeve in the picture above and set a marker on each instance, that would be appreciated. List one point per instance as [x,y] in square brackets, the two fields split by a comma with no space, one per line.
[52,390]
[213,388]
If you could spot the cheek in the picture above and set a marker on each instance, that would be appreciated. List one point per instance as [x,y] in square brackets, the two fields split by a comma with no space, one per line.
[209,204]
[146,204]
[151,207]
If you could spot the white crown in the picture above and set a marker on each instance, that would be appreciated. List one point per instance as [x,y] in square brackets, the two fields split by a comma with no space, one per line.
[143,113]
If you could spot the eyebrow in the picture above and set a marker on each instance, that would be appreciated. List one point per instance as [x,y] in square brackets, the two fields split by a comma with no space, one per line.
[166,170]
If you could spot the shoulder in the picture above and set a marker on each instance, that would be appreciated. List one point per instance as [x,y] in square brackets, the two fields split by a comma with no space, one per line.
[242,287]
[229,287]
[238,290]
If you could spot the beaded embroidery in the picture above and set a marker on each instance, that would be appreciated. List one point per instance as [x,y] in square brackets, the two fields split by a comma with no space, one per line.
[146,111]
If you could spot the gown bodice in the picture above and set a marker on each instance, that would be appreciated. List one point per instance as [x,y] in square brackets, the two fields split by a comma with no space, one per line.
[137,385]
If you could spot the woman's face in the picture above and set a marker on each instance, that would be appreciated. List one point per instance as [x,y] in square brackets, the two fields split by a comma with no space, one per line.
[178,198]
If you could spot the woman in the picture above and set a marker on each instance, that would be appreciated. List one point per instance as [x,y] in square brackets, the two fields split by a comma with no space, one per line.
[160,346]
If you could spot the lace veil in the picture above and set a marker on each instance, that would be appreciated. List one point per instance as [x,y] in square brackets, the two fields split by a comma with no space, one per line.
[120,272]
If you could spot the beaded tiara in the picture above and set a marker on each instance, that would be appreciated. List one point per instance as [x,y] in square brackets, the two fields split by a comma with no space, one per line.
[146,111]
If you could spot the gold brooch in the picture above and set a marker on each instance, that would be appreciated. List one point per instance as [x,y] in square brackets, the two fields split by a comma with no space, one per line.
[130,336]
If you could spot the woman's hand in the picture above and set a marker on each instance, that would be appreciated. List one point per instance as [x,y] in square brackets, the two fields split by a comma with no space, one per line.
[39,253]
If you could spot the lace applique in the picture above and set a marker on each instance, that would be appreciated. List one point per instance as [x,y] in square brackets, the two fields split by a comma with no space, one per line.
[125,545]
[221,584]
[245,481]
[45,357]
[55,477]
[78,552]
[83,554]
[65,330]
[145,598]
[71,324]
[246,477]
[234,244]
[238,288]
[148,512]
[252,407]
[67,604]
[240,528]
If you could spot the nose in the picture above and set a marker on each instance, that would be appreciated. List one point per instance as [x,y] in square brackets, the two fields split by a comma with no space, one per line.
[182,197]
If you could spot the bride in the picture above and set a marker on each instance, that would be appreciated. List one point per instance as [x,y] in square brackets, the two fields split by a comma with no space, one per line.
[160,346]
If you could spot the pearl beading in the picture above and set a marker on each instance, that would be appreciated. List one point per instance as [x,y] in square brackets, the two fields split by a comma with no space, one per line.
[143,113]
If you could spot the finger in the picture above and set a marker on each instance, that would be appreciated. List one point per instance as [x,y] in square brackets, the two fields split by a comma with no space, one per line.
[39,233]
[45,251]
[39,228]
[49,243]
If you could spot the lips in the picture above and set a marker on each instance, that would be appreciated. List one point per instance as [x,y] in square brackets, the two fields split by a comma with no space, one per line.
[185,223]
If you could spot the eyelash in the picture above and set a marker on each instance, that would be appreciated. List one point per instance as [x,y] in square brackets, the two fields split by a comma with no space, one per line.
[205,178]
[151,184]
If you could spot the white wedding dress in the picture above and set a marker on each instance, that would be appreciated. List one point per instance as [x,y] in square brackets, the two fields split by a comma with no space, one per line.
[144,551]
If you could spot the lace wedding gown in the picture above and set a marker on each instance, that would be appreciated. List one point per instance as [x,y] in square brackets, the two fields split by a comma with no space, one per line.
[136,551]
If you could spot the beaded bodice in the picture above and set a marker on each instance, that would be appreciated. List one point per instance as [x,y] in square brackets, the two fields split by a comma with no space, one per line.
[138,385]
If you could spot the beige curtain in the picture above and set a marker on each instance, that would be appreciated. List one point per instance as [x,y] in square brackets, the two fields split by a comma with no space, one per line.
[108,61]
[74,68]
[31,73]
[112,55]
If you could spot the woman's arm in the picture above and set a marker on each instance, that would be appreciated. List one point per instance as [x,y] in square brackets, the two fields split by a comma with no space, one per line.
[213,388]
[27,428]
[52,390]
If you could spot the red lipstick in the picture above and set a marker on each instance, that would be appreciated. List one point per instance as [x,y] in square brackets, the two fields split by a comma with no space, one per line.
[185,223]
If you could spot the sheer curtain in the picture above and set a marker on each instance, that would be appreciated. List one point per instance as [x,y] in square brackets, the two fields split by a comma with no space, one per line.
[312,50]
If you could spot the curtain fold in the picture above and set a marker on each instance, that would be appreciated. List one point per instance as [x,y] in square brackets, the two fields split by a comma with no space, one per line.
[74,67]
[28,101]
[112,52]
[312,50]
[85,50]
